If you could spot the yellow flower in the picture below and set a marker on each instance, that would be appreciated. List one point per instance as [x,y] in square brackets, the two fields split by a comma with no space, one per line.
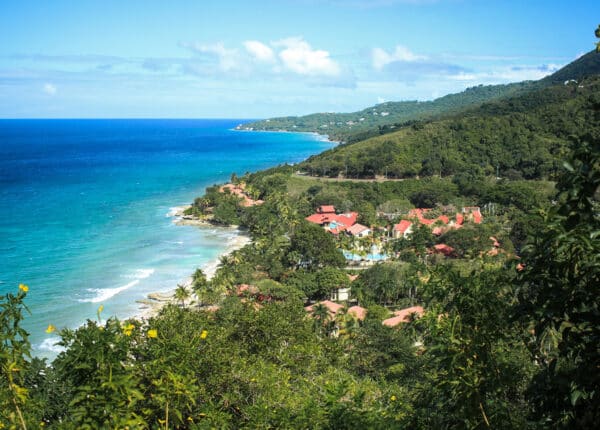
[50,328]
[393,398]
[203,334]
[152,333]
[23,288]
[100,308]
[128,329]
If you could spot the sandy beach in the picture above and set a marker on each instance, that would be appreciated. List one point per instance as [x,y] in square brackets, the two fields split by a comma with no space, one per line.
[153,303]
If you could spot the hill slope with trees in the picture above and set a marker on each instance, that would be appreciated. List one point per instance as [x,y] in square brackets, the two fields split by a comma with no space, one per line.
[519,137]
[385,117]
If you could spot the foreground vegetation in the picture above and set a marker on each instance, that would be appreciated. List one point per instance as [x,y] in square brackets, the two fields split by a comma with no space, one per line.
[496,348]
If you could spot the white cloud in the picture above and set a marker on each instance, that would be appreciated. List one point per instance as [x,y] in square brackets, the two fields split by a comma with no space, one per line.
[259,50]
[49,89]
[507,74]
[381,58]
[299,57]
[228,58]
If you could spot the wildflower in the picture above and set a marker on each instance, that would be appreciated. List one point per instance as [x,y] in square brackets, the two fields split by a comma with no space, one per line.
[128,329]
[100,309]
[23,288]
[393,398]
[152,333]
[203,334]
[50,329]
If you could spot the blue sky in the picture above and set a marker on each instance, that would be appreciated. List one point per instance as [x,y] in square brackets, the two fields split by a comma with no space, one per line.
[254,59]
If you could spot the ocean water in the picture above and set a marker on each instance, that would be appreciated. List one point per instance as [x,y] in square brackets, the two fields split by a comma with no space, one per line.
[84,209]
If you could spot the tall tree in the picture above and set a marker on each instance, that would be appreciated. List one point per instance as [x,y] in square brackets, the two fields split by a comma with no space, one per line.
[560,290]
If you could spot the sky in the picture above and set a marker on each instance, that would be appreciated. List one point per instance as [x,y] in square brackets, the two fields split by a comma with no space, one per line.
[261,58]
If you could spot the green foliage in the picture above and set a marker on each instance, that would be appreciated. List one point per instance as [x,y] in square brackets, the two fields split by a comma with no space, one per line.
[14,349]
[475,361]
[559,296]
[313,248]
[352,127]
[524,136]
[96,366]
[385,284]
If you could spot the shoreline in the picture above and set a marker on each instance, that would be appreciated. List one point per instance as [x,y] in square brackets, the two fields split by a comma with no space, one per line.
[319,137]
[155,301]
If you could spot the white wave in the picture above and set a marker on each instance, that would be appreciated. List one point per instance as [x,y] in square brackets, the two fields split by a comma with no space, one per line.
[143,273]
[103,294]
[175,211]
[139,274]
[51,344]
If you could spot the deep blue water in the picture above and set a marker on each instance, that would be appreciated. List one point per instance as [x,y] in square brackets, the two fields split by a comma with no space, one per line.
[84,204]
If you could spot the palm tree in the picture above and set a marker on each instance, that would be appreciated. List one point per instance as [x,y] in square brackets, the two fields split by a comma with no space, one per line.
[320,314]
[182,294]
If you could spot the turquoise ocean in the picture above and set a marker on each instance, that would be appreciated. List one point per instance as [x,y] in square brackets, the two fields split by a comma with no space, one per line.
[85,204]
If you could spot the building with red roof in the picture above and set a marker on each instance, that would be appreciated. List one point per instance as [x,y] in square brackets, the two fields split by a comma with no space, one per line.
[404,316]
[358,230]
[402,229]
[332,308]
[459,219]
[444,249]
[326,209]
[357,312]
[330,221]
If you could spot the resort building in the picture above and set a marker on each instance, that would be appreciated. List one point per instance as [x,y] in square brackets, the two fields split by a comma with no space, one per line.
[404,316]
[358,230]
[326,217]
[357,312]
[239,190]
[402,229]
[332,308]
[341,294]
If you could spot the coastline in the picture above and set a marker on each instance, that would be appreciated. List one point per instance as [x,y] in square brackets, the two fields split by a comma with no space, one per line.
[319,137]
[155,301]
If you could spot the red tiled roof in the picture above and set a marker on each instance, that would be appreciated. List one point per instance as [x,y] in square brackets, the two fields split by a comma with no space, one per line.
[317,218]
[358,312]
[332,307]
[348,219]
[444,219]
[356,229]
[402,226]
[437,231]
[403,316]
[405,313]
[443,249]
[326,209]
[460,219]
[477,217]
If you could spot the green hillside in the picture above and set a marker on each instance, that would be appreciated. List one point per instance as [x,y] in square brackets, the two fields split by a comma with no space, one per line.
[384,117]
[519,137]
[584,66]
[387,117]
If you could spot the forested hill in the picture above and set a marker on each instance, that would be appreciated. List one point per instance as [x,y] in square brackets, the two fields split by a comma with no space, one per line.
[585,66]
[386,117]
[351,127]
[524,136]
